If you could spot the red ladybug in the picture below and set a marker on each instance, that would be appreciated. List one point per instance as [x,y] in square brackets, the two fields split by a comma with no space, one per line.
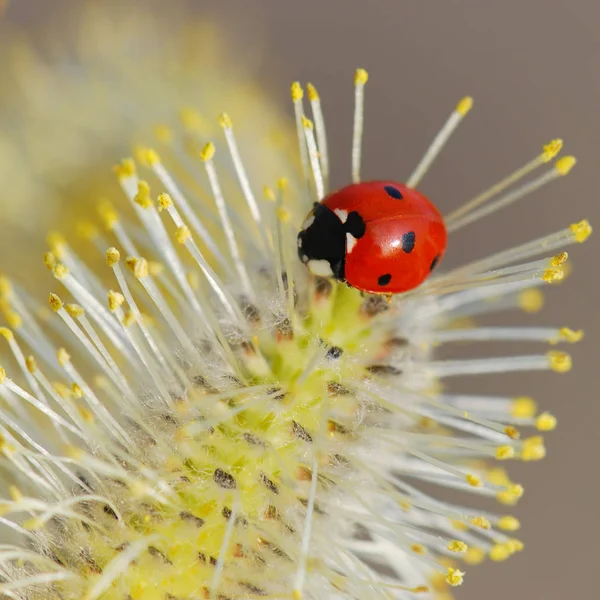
[380,237]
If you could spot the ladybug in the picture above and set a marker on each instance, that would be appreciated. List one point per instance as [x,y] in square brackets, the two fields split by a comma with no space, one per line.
[380,237]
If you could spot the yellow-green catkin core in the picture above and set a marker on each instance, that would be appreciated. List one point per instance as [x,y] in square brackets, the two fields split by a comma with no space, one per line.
[255,464]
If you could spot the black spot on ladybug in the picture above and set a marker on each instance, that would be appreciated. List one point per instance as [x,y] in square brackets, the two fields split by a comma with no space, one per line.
[384,279]
[434,262]
[408,241]
[355,225]
[393,192]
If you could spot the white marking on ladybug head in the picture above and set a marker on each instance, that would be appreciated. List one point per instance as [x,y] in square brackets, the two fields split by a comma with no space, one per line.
[320,268]
[308,222]
[304,258]
[350,242]
[299,242]
[342,214]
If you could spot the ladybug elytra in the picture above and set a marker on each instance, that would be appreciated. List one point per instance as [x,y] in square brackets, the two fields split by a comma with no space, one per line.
[380,237]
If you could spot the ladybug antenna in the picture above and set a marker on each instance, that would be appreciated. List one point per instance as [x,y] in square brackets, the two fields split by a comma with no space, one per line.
[473,209]
[462,108]
[360,79]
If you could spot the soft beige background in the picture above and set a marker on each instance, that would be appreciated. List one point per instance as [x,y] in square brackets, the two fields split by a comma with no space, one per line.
[532,66]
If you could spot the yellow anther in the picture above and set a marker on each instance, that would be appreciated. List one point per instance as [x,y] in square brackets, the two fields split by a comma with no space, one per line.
[16,495]
[312,92]
[533,449]
[7,334]
[545,422]
[512,432]
[418,549]
[115,300]
[50,260]
[360,77]
[282,183]
[474,480]
[191,119]
[481,522]
[551,149]
[6,288]
[457,546]
[138,266]
[565,164]
[268,193]
[142,198]
[182,235]
[58,244]
[560,362]
[581,230]
[459,525]
[193,279]
[62,390]
[129,319]
[531,300]
[13,319]
[55,302]
[510,495]
[505,452]
[307,123]
[86,230]
[559,259]
[77,391]
[225,121]
[108,214]
[63,357]
[284,215]
[500,552]
[163,133]
[207,152]
[474,555]
[464,105]
[523,407]
[515,545]
[454,577]
[31,364]
[60,271]
[296,91]
[74,310]
[553,274]
[2,375]
[113,256]
[125,169]
[155,268]
[147,156]
[568,335]
[509,523]
[164,201]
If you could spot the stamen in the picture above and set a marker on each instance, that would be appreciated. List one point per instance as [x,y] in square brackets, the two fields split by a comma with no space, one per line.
[207,158]
[190,214]
[549,151]
[297,95]
[360,79]
[462,108]
[315,103]
[238,165]
[305,546]
[561,168]
[313,154]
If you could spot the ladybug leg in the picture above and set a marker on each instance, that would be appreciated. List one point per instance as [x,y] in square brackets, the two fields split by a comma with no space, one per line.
[322,243]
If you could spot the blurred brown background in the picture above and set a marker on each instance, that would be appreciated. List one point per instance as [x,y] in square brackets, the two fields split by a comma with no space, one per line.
[533,68]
